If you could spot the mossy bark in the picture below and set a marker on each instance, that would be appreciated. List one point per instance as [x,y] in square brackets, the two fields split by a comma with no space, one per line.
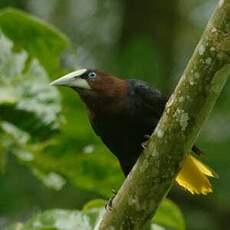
[185,112]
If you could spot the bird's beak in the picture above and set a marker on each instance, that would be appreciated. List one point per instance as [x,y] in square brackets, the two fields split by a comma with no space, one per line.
[73,80]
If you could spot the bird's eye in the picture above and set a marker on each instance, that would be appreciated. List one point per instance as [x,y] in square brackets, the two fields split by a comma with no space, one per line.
[92,75]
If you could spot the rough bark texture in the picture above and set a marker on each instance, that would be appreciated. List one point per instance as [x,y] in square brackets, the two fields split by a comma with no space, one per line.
[186,110]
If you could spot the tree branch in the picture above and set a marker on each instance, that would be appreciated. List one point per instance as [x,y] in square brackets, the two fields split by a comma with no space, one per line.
[185,112]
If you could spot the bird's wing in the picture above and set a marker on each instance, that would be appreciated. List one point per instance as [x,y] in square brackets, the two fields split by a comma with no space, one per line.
[154,99]
[149,96]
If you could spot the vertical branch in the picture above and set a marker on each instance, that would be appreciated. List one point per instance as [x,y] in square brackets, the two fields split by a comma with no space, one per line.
[185,112]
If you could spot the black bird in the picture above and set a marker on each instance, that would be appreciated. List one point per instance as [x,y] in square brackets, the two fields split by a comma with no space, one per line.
[123,113]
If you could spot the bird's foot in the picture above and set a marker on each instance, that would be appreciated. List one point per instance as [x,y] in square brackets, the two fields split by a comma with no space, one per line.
[197,151]
[146,136]
[145,143]
[109,204]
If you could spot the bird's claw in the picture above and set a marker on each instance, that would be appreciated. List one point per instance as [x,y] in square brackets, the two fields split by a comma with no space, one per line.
[108,205]
[147,136]
[144,144]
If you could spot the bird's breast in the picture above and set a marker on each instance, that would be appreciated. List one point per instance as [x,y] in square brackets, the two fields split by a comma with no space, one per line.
[122,134]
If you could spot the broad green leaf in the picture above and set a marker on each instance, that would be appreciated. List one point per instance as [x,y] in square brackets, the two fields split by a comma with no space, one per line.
[169,215]
[40,40]
[26,99]
[29,107]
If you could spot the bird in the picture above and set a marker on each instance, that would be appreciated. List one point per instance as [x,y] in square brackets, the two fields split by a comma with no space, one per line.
[123,113]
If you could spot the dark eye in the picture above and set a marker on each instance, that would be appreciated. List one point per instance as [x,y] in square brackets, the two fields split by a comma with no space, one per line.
[92,75]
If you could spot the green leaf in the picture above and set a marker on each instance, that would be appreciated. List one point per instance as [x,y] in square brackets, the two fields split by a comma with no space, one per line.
[40,40]
[97,203]
[29,107]
[60,220]
[169,215]
[26,99]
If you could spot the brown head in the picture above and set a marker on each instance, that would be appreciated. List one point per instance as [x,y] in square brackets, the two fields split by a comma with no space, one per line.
[95,87]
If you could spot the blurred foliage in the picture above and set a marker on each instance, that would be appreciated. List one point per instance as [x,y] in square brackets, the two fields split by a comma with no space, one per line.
[40,40]
[28,107]
[168,217]
[141,47]
[26,100]
[30,104]
[55,141]
[14,3]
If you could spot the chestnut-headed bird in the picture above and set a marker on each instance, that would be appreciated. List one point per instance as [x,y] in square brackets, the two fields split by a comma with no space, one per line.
[122,113]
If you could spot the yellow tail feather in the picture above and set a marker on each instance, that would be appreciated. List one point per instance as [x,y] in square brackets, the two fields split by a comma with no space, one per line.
[194,176]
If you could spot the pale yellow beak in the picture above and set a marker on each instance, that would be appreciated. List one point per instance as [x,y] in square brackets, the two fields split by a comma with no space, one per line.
[72,80]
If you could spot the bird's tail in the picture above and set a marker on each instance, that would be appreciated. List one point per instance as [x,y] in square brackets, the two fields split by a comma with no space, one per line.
[194,176]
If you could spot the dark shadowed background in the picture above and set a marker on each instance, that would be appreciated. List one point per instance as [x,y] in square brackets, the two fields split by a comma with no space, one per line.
[150,40]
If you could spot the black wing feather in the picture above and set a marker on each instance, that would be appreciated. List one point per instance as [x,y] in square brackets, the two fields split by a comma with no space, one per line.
[151,97]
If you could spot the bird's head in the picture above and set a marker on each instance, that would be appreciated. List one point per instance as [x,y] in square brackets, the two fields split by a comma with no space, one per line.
[94,86]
